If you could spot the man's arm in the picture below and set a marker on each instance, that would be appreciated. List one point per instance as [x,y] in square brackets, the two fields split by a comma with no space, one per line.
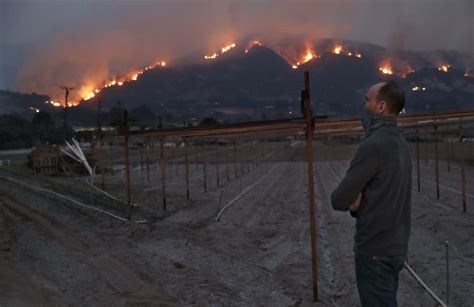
[363,167]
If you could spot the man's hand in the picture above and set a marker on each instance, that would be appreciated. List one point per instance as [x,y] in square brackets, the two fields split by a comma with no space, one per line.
[355,204]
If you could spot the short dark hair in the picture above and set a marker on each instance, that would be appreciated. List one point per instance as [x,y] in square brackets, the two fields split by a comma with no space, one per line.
[393,95]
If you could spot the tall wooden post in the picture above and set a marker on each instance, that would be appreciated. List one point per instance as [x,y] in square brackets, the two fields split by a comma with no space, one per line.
[127,166]
[226,151]
[141,159]
[235,159]
[204,167]
[241,162]
[173,154]
[217,162]
[448,157]
[111,158]
[463,175]
[436,160]
[163,173]
[148,167]
[185,144]
[418,159]
[312,211]
[101,157]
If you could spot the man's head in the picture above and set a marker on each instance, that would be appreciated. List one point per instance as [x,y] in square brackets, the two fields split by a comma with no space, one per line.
[385,98]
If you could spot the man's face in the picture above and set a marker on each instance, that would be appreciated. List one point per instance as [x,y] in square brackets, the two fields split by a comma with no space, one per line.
[371,103]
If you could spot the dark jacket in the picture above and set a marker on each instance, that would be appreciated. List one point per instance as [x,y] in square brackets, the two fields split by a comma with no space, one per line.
[382,170]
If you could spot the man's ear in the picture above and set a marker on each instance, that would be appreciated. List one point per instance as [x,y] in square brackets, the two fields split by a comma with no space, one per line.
[382,107]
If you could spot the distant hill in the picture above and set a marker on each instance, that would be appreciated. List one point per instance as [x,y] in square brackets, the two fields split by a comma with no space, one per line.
[261,84]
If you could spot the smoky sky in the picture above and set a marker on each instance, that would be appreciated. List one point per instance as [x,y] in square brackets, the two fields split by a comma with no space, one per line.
[45,43]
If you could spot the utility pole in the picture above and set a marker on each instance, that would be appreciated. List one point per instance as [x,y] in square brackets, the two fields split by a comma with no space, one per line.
[67,89]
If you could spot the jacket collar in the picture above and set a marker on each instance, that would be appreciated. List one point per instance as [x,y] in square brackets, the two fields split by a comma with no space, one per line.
[380,121]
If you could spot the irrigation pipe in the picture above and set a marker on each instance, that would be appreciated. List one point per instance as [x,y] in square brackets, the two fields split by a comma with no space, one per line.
[422,283]
[245,191]
[29,186]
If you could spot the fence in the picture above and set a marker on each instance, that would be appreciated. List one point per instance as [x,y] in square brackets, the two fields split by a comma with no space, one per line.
[156,173]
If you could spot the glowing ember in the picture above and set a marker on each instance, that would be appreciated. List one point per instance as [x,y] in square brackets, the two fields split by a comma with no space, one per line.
[294,66]
[358,55]
[444,68]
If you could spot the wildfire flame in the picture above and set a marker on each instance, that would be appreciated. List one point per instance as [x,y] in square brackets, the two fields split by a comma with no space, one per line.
[212,56]
[418,88]
[386,69]
[306,57]
[444,68]
[223,50]
[89,91]
[253,43]
[295,59]
[337,49]
[227,48]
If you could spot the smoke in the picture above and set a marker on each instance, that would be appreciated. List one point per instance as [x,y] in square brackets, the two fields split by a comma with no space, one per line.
[81,43]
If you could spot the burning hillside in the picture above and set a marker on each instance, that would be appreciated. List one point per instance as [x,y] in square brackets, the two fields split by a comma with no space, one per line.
[294,54]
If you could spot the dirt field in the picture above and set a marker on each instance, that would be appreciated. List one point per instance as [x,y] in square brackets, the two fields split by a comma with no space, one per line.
[57,252]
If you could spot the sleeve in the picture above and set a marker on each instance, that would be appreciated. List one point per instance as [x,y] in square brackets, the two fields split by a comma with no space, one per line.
[363,167]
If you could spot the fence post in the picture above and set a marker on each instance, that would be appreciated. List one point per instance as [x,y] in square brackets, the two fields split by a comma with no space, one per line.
[226,151]
[185,144]
[163,173]
[448,158]
[463,175]
[436,160]
[204,166]
[217,162]
[127,166]
[311,194]
[418,158]
[235,159]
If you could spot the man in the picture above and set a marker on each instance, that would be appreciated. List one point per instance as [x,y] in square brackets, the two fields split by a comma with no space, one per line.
[376,189]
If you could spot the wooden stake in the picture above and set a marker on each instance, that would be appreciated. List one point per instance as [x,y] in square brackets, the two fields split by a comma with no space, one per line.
[163,173]
[235,159]
[127,166]
[436,160]
[418,158]
[141,159]
[463,175]
[217,162]
[226,151]
[148,168]
[185,144]
[311,194]
[204,166]
[447,155]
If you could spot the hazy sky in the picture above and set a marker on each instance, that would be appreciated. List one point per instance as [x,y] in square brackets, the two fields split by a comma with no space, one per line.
[44,42]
